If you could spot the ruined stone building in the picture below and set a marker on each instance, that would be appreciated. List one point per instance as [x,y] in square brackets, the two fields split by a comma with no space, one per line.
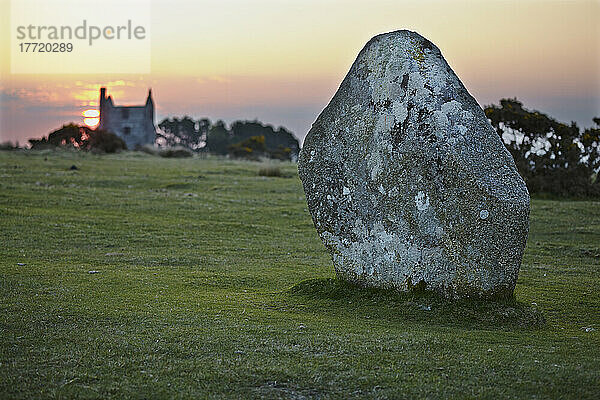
[134,124]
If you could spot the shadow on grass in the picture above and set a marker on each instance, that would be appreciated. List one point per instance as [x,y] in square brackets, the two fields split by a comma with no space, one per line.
[336,296]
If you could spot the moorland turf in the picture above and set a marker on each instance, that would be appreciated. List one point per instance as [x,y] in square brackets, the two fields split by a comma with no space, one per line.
[142,277]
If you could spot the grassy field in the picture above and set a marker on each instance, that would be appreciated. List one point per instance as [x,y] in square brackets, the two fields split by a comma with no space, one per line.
[142,277]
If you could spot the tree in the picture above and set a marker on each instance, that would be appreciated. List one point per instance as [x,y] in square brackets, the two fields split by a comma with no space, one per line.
[68,135]
[591,148]
[80,137]
[218,138]
[552,157]
[279,143]
[183,132]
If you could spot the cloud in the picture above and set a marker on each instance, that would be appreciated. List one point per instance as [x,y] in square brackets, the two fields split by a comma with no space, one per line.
[26,95]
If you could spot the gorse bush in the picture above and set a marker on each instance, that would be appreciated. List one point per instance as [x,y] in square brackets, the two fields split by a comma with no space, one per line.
[281,153]
[252,148]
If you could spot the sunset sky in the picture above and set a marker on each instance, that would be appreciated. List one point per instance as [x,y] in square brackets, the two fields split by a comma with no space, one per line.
[282,61]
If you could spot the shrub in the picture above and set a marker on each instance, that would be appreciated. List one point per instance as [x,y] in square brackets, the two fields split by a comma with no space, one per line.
[104,142]
[281,153]
[9,146]
[80,137]
[270,171]
[148,149]
[175,152]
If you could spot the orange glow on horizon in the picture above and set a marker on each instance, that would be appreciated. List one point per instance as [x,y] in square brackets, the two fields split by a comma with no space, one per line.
[546,54]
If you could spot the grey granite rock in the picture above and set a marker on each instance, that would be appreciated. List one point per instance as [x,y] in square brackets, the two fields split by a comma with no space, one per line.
[407,182]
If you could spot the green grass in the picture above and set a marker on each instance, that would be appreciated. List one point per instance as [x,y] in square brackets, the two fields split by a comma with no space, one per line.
[212,283]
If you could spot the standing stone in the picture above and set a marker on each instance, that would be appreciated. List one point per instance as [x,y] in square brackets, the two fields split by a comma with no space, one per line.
[407,182]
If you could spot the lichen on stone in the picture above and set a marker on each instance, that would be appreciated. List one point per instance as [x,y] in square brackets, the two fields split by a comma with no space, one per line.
[407,182]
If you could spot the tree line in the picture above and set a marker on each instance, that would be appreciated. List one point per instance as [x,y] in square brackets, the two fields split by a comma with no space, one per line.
[243,139]
[552,157]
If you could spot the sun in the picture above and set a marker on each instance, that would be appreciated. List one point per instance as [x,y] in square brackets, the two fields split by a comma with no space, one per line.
[91,118]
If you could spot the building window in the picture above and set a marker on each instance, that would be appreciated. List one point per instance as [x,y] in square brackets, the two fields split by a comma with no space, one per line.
[126,130]
[125,113]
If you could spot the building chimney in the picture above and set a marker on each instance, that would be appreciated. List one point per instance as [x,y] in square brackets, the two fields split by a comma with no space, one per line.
[102,108]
